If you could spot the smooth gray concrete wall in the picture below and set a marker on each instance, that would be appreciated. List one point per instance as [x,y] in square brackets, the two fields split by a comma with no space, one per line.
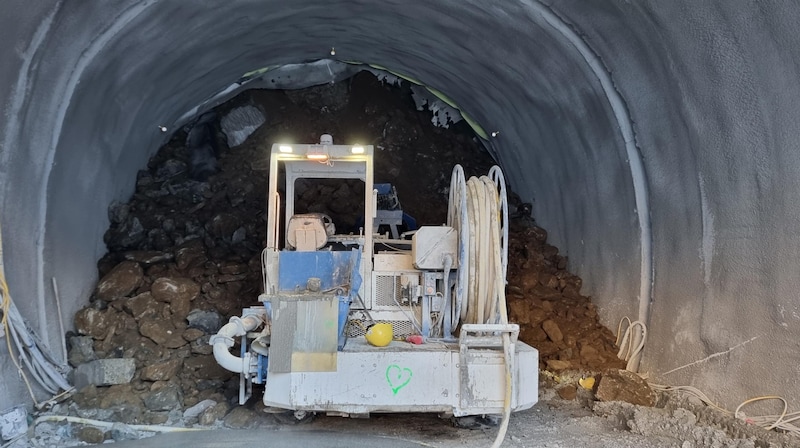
[712,89]
[615,119]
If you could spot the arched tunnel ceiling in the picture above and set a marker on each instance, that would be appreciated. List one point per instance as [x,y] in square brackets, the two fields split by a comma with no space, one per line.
[709,91]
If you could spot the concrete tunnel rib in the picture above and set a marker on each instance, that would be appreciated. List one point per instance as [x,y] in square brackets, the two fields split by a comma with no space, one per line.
[86,58]
[638,174]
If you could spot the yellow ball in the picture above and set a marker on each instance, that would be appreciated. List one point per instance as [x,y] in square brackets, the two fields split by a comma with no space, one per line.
[379,335]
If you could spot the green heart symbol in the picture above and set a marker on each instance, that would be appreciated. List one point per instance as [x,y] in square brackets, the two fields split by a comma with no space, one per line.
[397,377]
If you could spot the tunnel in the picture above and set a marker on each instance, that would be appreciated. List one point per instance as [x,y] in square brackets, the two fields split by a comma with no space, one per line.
[656,141]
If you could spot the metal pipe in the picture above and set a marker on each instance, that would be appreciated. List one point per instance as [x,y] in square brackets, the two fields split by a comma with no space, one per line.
[223,341]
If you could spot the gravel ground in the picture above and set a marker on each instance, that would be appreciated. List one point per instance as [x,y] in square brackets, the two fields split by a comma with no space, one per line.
[553,422]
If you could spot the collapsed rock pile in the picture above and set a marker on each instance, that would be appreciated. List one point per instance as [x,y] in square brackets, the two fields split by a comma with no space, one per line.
[545,300]
[184,257]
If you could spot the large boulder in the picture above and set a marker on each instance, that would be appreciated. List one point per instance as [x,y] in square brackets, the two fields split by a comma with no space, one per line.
[162,332]
[104,372]
[164,399]
[622,385]
[174,289]
[208,321]
[123,279]
[95,323]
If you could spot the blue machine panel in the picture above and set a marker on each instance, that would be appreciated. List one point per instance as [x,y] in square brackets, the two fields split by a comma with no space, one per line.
[333,268]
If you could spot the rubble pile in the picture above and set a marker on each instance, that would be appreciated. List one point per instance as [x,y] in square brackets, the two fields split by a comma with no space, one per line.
[184,253]
[545,300]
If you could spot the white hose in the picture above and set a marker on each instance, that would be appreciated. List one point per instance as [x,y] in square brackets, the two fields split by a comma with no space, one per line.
[631,343]
[223,341]
[478,209]
[496,174]
[485,289]
[109,425]
[42,367]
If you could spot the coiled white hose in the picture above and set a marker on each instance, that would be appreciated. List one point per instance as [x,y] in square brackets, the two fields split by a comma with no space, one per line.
[478,211]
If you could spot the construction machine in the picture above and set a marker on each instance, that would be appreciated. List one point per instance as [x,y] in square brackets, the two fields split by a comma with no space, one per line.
[359,323]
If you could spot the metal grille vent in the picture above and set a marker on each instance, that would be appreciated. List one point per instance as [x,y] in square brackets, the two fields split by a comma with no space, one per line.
[387,288]
[399,327]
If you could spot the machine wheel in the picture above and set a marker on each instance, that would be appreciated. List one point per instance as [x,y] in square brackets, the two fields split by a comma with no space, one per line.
[295,417]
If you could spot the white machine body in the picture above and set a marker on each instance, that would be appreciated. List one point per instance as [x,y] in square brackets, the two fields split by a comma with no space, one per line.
[322,290]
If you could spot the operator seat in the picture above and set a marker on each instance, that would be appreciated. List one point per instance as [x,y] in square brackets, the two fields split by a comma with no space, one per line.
[309,232]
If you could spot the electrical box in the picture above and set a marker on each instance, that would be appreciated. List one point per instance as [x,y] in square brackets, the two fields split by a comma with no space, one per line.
[431,244]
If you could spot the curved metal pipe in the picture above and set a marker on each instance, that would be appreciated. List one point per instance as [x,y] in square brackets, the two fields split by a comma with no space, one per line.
[223,341]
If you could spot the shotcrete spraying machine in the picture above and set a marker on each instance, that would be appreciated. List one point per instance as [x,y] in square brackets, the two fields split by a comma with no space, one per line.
[363,322]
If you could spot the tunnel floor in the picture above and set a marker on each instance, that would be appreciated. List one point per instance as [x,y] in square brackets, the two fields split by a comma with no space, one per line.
[196,225]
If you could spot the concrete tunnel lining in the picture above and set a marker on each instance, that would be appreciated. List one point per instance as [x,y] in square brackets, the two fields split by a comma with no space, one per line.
[87,86]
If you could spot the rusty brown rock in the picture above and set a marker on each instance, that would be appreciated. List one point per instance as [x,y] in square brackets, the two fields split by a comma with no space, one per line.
[168,289]
[533,334]
[192,334]
[190,255]
[162,332]
[144,351]
[544,292]
[552,330]
[622,385]
[180,308]
[120,282]
[241,418]
[589,353]
[117,395]
[162,371]
[205,367]
[142,306]
[568,392]
[518,310]
[214,413]
[87,397]
[175,340]
[95,323]
[90,435]
[555,364]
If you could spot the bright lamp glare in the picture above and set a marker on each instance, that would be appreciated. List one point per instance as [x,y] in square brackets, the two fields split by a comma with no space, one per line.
[357,150]
[317,156]
[285,148]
